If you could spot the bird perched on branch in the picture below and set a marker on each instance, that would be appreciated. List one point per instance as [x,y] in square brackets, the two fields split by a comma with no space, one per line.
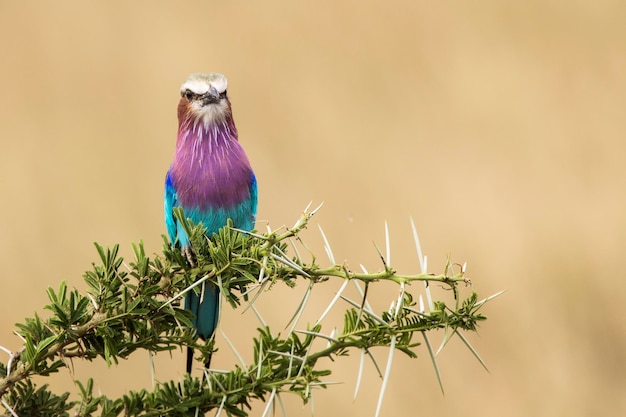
[210,178]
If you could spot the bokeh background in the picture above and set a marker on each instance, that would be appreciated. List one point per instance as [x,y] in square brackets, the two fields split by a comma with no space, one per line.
[499,126]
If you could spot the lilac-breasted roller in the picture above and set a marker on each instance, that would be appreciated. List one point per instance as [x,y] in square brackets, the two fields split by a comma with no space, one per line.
[210,178]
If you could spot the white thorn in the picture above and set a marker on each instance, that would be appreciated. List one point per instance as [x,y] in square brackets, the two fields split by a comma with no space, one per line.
[289,262]
[93,301]
[491,297]
[219,410]
[201,281]
[316,209]
[366,310]
[10,364]
[295,249]
[258,315]
[282,406]
[471,348]
[429,297]
[327,247]
[151,359]
[300,310]
[418,247]
[5,350]
[304,360]
[433,359]
[259,360]
[8,407]
[262,271]
[446,338]
[332,336]
[332,303]
[392,349]
[387,244]
[232,347]
[358,287]
[291,359]
[360,374]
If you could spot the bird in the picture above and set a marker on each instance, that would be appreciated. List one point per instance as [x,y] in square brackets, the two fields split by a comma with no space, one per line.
[211,179]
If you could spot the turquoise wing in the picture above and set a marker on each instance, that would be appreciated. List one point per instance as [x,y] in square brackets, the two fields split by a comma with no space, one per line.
[171,201]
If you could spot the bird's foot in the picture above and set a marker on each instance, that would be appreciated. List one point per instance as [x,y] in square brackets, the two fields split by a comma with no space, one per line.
[188,252]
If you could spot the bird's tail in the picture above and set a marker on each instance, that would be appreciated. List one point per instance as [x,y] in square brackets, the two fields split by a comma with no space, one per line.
[207,364]
[206,316]
[189,359]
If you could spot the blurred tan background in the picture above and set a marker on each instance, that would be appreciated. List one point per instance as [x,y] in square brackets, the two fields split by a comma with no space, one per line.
[499,126]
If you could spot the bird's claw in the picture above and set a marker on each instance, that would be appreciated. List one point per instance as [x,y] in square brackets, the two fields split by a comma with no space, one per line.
[188,252]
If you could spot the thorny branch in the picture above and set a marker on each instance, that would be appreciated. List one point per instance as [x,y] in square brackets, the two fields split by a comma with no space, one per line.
[137,307]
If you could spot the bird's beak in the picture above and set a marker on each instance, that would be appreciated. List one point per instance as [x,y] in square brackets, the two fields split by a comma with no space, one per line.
[210,97]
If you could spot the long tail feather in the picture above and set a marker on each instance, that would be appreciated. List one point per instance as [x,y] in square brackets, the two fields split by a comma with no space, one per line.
[189,359]
[206,311]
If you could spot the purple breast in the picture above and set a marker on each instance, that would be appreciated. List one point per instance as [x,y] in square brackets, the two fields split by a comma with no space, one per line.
[210,170]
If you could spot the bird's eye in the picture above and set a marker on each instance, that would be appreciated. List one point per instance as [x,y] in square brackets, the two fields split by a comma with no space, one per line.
[223,94]
[188,94]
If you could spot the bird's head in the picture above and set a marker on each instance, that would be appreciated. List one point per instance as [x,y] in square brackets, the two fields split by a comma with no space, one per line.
[203,98]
